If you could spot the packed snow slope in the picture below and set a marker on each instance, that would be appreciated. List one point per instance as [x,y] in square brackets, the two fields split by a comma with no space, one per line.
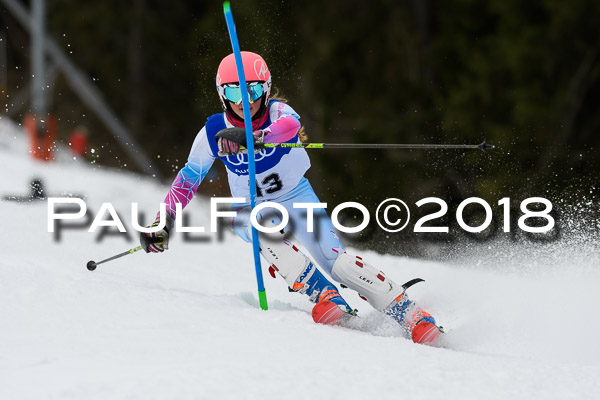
[186,324]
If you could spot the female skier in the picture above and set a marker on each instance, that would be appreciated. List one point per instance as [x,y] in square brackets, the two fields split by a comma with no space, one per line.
[280,178]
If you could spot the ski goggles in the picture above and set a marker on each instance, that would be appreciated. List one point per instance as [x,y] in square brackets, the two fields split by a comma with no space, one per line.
[233,92]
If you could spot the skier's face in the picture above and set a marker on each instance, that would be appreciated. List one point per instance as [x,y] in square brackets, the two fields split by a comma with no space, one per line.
[238,109]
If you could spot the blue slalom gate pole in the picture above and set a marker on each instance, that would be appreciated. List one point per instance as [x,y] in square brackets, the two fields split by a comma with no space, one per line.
[262,294]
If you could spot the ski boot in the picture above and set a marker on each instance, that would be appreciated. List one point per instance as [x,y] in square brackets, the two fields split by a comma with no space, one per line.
[330,306]
[420,324]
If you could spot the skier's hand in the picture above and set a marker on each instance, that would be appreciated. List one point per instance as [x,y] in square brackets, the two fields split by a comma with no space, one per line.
[228,147]
[157,242]
[259,139]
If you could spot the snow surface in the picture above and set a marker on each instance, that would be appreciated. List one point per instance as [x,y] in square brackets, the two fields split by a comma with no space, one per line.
[186,324]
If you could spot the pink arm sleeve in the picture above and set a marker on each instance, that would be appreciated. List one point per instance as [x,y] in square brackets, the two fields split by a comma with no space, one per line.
[189,177]
[282,130]
[183,188]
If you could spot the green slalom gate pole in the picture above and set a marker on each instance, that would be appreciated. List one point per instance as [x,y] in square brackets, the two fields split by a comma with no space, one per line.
[262,294]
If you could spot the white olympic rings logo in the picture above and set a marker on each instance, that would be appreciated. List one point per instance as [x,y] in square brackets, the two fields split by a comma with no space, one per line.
[238,159]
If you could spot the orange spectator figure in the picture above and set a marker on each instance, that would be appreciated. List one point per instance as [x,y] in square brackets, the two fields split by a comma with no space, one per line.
[78,141]
[42,136]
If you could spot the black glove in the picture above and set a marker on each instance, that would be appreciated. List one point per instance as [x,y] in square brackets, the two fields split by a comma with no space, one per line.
[232,141]
[157,242]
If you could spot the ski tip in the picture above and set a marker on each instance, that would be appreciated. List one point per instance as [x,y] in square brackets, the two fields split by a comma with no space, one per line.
[226,7]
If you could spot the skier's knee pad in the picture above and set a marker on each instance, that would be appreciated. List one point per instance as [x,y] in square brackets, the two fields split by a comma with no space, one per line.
[285,257]
[368,281]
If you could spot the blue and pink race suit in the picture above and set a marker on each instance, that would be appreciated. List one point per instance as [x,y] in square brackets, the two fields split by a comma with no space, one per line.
[279,176]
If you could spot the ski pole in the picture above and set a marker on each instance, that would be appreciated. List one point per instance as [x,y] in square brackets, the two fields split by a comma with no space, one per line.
[483,146]
[91,265]
[238,135]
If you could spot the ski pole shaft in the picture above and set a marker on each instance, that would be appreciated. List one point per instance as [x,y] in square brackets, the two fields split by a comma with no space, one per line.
[91,265]
[483,146]
[238,135]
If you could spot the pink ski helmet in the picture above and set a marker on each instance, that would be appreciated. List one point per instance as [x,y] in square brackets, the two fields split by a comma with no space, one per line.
[255,69]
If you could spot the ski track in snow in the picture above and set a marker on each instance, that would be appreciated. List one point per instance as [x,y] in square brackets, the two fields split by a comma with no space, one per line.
[186,324]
